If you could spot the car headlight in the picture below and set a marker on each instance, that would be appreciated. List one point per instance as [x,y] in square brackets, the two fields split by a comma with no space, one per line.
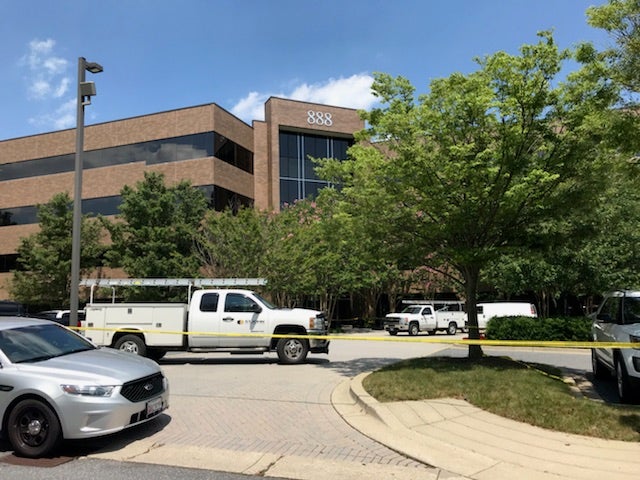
[89,390]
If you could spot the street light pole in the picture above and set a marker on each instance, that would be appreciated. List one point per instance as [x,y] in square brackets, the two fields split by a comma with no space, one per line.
[85,91]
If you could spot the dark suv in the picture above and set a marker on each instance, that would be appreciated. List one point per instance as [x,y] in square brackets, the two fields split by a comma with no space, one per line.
[617,322]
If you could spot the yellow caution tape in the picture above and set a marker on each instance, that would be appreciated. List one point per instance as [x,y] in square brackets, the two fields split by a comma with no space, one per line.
[441,339]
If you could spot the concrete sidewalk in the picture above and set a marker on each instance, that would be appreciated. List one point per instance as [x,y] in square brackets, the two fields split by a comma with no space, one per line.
[464,440]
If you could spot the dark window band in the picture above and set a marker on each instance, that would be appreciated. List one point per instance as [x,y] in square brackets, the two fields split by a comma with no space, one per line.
[188,147]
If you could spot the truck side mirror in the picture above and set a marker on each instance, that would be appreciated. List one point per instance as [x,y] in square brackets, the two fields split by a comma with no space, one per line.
[256,308]
[605,317]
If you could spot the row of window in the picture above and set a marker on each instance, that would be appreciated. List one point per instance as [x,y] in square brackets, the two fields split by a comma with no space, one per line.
[187,147]
[298,178]
[219,199]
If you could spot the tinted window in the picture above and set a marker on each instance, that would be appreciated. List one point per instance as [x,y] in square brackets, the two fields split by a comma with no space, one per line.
[209,302]
[236,302]
[610,309]
[298,178]
[232,153]
[631,310]
[199,145]
[40,342]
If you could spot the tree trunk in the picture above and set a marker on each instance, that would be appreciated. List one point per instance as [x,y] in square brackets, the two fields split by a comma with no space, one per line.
[471,274]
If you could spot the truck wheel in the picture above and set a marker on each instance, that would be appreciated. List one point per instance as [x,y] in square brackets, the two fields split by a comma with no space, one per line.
[393,332]
[155,353]
[414,329]
[292,350]
[131,344]
[452,329]
[33,428]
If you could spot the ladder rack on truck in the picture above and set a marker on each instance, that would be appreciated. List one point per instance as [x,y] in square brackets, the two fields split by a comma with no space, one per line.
[168,282]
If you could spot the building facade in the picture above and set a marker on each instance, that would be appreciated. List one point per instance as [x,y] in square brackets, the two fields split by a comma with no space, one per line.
[265,164]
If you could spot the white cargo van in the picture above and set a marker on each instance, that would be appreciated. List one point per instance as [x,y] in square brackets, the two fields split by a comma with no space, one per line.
[486,311]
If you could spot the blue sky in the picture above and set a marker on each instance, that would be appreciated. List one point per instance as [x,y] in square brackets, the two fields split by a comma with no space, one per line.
[160,55]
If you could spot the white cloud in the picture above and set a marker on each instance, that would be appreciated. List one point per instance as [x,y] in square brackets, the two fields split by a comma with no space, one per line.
[351,92]
[47,81]
[46,73]
[62,118]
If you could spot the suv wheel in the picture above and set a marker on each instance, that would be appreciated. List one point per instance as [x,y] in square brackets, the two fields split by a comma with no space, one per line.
[622,380]
[598,369]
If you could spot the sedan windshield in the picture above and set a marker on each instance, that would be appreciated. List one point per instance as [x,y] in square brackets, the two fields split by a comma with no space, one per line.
[36,343]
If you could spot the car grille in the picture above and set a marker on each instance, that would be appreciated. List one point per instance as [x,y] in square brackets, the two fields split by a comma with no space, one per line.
[143,388]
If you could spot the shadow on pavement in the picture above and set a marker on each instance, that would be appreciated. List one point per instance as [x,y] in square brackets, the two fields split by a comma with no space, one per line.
[72,449]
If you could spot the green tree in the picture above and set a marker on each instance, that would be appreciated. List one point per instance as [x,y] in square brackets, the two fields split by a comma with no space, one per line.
[45,257]
[234,244]
[154,236]
[494,159]
[621,20]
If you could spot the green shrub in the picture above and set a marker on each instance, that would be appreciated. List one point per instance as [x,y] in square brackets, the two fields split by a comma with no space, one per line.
[571,329]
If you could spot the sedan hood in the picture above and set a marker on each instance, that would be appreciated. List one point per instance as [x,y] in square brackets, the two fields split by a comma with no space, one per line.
[111,366]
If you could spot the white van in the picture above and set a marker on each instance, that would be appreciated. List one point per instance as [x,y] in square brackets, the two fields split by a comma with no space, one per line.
[486,311]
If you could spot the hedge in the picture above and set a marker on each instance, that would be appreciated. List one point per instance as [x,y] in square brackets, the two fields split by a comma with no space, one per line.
[576,329]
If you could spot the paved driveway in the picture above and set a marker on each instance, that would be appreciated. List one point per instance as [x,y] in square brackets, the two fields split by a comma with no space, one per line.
[248,414]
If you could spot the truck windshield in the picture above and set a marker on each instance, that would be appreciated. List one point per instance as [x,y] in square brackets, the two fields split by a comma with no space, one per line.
[266,303]
[412,309]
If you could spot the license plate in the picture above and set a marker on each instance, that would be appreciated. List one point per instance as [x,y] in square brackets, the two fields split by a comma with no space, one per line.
[154,406]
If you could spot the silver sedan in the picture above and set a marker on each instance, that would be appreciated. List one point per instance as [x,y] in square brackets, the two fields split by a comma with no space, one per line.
[55,384]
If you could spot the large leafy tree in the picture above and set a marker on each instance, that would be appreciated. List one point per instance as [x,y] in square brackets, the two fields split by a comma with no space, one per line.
[45,257]
[155,233]
[494,159]
[234,244]
[621,20]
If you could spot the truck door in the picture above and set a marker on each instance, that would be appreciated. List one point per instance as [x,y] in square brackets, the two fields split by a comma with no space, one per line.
[428,319]
[242,315]
[204,321]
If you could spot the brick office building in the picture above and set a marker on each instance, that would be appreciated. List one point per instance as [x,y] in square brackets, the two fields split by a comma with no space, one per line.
[264,164]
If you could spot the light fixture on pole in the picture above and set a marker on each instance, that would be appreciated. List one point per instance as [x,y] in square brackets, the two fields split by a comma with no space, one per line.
[86,90]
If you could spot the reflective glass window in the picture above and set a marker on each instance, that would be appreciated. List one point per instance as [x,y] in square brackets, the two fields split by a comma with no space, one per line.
[298,178]
[187,147]
[19,216]
[232,153]
[102,205]
[8,262]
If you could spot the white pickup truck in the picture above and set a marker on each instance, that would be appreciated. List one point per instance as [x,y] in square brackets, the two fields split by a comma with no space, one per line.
[448,316]
[236,321]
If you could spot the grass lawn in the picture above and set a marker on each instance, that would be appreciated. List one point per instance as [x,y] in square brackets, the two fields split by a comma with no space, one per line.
[530,393]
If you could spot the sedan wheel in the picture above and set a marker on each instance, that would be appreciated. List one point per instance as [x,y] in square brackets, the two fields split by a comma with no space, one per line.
[33,429]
